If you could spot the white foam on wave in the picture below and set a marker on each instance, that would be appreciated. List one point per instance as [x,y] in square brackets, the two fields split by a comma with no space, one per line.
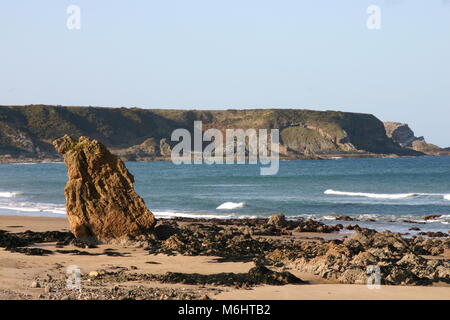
[367,216]
[231,205]
[372,195]
[34,163]
[34,207]
[173,214]
[24,163]
[9,194]
[392,196]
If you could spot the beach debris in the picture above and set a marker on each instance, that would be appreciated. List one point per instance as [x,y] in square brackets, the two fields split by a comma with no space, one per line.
[101,202]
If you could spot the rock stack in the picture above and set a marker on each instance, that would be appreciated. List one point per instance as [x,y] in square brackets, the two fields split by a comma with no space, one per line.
[100,199]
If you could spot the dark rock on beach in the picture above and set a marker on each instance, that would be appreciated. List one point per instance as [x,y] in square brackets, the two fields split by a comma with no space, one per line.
[347,261]
[277,220]
[399,259]
[257,275]
[413,222]
[31,251]
[10,240]
[432,217]
[47,236]
[344,218]
[164,231]
[434,234]
[17,242]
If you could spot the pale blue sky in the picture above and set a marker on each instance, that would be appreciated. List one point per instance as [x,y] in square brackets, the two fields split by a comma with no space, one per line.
[211,54]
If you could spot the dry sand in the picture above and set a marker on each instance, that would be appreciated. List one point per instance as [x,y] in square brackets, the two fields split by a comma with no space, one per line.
[18,271]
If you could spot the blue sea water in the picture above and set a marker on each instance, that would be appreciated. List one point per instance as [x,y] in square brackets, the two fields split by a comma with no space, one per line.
[387,190]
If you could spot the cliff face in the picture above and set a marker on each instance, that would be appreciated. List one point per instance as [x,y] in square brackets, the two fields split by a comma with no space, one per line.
[405,137]
[142,134]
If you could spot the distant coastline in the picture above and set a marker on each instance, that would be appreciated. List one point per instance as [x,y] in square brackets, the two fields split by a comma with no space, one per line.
[20,160]
[134,134]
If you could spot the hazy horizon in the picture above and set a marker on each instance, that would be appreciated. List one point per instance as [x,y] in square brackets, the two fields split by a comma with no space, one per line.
[231,55]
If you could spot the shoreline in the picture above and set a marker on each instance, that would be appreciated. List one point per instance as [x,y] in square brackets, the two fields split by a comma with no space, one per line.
[24,160]
[343,224]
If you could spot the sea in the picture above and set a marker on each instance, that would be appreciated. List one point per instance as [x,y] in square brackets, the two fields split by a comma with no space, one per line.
[381,193]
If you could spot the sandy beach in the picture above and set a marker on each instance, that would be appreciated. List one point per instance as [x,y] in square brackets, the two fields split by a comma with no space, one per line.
[36,277]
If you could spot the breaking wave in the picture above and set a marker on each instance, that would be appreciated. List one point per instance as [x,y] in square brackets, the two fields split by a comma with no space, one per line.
[34,208]
[392,196]
[230,205]
[372,195]
[9,194]
[173,214]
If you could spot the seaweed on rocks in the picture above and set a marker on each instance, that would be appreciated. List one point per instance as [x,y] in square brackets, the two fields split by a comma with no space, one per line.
[31,251]
[43,237]
[257,275]
[212,240]
[11,240]
[18,242]
[77,252]
[399,260]
[56,289]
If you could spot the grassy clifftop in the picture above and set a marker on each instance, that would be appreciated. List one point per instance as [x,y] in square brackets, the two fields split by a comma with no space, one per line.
[27,131]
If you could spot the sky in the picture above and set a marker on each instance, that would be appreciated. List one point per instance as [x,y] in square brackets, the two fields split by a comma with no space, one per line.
[233,54]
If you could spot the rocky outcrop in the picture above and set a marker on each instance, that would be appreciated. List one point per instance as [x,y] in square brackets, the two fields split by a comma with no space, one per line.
[401,133]
[404,136]
[257,275]
[100,199]
[400,261]
[149,150]
[354,259]
[278,220]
